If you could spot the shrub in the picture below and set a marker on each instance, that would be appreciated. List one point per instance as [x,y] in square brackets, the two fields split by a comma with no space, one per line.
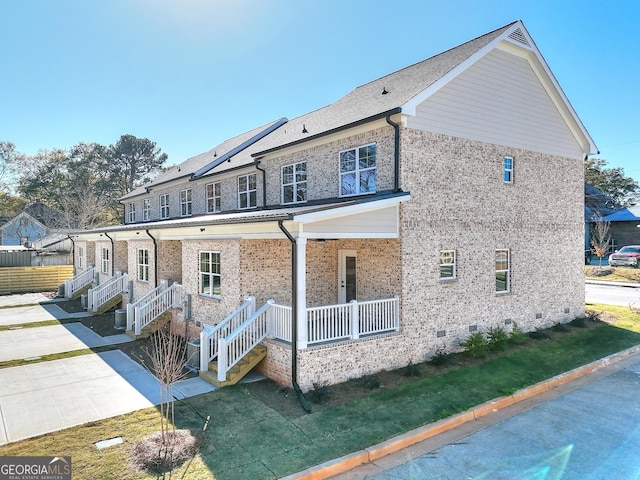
[441,357]
[538,335]
[369,382]
[517,336]
[579,322]
[476,344]
[411,370]
[560,327]
[497,338]
[321,393]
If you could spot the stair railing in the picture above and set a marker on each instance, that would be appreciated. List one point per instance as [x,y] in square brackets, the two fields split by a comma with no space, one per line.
[78,282]
[142,301]
[242,340]
[211,333]
[100,295]
[143,315]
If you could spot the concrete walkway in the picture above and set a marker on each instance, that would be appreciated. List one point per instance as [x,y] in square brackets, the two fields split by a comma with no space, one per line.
[47,396]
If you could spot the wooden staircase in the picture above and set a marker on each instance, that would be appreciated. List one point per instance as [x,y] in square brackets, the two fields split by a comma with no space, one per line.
[154,326]
[238,371]
[105,307]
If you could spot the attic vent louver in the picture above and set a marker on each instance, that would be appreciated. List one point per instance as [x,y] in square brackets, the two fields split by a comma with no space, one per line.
[518,36]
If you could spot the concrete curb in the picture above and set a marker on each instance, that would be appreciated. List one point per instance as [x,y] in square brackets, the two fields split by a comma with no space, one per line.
[343,464]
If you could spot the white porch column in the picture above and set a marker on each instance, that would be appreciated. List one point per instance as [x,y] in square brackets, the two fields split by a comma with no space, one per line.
[301,291]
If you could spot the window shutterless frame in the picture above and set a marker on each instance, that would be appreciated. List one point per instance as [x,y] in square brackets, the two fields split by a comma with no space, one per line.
[209,272]
[247,191]
[507,163]
[164,205]
[146,209]
[185,202]
[503,270]
[132,212]
[213,197]
[294,183]
[447,264]
[143,265]
[357,170]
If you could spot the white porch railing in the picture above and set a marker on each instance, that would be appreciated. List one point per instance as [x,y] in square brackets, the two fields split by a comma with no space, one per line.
[142,301]
[146,313]
[98,296]
[242,340]
[212,333]
[338,322]
[78,282]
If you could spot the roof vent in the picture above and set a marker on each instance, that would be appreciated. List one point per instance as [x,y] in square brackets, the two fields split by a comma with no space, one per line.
[304,128]
[518,36]
[384,91]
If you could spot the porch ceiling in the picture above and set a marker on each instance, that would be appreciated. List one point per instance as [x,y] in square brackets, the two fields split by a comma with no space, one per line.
[370,217]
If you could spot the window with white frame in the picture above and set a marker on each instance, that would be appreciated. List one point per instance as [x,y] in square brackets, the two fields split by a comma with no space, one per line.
[358,170]
[210,274]
[213,197]
[503,270]
[294,183]
[507,164]
[247,193]
[146,209]
[80,257]
[164,205]
[132,212]
[447,264]
[185,202]
[143,265]
[105,264]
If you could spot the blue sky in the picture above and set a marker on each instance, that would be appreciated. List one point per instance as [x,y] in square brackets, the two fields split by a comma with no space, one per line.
[188,74]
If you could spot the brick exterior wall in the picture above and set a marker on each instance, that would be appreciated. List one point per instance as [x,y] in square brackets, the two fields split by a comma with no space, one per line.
[459,202]
[204,308]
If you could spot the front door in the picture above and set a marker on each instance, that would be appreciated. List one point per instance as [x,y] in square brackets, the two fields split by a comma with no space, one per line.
[347,286]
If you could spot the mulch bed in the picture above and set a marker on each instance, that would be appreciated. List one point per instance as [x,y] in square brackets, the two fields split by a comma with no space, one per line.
[284,399]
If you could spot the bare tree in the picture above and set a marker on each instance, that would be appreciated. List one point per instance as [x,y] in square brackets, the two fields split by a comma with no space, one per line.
[600,239]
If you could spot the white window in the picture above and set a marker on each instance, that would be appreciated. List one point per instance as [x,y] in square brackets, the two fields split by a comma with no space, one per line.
[507,163]
[213,197]
[358,170]
[502,271]
[164,205]
[294,183]
[80,257]
[143,265]
[104,263]
[185,202]
[210,274]
[447,264]
[132,212]
[247,193]
[146,209]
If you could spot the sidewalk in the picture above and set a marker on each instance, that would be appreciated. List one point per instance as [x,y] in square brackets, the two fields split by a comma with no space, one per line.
[52,395]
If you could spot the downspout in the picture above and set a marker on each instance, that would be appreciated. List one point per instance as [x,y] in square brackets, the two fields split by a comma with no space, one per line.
[113,254]
[155,259]
[294,320]
[73,254]
[396,154]
[264,183]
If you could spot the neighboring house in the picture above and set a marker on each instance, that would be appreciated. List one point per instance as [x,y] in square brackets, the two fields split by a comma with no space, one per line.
[624,226]
[439,200]
[23,229]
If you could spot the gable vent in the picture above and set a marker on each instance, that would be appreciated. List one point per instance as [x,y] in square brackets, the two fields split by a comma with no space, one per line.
[518,36]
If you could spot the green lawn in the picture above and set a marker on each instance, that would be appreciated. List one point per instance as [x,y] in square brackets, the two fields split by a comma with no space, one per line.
[246,439]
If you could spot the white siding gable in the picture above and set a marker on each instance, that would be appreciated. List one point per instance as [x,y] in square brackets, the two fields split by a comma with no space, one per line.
[498,100]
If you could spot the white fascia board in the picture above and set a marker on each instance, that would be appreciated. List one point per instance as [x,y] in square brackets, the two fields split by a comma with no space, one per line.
[349,210]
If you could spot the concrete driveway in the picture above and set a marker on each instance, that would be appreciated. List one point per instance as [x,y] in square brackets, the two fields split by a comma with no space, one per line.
[52,395]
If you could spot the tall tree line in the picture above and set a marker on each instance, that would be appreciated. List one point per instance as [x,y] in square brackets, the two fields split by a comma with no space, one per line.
[83,184]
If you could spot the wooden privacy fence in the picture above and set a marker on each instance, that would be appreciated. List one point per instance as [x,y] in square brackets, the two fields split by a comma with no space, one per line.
[33,279]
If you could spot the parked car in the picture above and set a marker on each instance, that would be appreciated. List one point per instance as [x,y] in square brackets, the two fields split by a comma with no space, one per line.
[628,256]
